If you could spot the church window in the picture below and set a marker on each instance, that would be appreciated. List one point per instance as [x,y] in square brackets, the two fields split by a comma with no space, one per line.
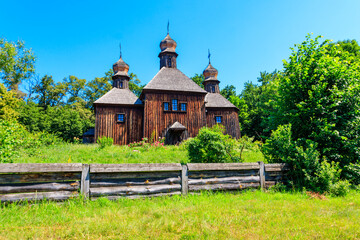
[174,104]
[213,89]
[121,84]
[121,117]
[218,119]
[169,62]
[183,107]
[166,106]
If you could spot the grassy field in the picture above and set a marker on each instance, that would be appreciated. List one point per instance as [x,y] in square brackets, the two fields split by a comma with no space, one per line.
[247,215]
[82,153]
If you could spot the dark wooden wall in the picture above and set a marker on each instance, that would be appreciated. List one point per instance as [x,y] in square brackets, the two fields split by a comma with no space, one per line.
[230,120]
[123,133]
[155,119]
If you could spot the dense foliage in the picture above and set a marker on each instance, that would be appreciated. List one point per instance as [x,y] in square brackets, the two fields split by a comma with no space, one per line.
[212,145]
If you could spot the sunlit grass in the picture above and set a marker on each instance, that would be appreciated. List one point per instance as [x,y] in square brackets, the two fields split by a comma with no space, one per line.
[247,215]
[91,153]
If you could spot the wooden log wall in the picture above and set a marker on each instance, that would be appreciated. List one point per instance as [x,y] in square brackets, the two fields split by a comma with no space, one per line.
[230,120]
[158,120]
[34,182]
[131,130]
[59,182]
[134,180]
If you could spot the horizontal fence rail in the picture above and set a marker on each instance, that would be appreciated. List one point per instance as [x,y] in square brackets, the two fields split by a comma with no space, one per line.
[62,181]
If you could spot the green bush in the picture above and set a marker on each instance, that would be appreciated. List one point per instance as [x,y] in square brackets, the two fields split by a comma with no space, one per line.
[14,137]
[105,142]
[352,173]
[308,170]
[212,146]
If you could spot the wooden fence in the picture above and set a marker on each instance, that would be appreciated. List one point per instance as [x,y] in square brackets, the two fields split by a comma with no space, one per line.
[61,181]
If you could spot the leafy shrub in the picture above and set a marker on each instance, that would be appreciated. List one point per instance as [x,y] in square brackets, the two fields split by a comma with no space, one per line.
[352,173]
[105,142]
[211,146]
[14,137]
[340,188]
[308,170]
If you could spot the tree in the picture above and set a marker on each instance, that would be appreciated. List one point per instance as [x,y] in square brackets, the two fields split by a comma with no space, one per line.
[227,91]
[16,64]
[199,79]
[9,104]
[319,95]
[74,89]
[134,84]
[48,93]
[97,88]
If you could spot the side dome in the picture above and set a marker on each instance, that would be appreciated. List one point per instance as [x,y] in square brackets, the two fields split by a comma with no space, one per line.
[120,67]
[168,44]
[210,73]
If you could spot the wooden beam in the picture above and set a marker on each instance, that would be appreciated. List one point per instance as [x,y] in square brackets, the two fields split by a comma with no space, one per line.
[134,182]
[39,167]
[216,187]
[184,180]
[85,180]
[222,166]
[262,175]
[137,167]
[39,177]
[277,167]
[55,196]
[225,180]
[39,187]
[134,190]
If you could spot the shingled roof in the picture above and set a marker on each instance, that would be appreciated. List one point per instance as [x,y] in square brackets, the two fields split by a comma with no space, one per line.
[172,79]
[119,96]
[216,100]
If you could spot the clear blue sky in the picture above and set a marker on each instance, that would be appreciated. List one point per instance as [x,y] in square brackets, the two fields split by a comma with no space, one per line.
[81,38]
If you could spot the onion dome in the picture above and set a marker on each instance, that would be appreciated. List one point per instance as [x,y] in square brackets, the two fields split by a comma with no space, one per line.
[168,44]
[120,68]
[210,73]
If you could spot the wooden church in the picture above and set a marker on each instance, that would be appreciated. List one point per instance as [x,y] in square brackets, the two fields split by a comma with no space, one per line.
[171,105]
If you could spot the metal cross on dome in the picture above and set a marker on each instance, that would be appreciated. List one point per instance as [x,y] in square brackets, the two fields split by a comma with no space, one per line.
[120,50]
[209,55]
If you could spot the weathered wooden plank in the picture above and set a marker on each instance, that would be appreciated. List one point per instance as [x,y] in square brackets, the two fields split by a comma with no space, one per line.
[134,181]
[215,187]
[39,187]
[39,167]
[134,190]
[136,167]
[274,178]
[131,175]
[85,180]
[262,174]
[138,196]
[55,196]
[225,180]
[39,177]
[184,180]
[276,167]
[221,166]
[212,174]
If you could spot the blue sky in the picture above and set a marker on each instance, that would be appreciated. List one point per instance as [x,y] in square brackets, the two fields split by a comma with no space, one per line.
[81,38]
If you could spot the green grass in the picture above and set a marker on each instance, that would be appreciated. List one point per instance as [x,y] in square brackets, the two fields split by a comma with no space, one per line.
[247,215]
[91,153]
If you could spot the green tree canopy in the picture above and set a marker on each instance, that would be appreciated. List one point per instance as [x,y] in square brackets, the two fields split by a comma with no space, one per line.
[319,95]
[16,64]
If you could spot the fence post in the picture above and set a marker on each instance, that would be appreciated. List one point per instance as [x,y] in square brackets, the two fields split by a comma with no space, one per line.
[184,180]
[262,175]
[85,180]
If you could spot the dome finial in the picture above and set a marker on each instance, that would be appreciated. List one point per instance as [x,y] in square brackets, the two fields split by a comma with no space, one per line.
[168,26]
[209,55]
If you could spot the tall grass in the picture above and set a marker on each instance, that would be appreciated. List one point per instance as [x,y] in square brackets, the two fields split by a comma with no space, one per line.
[247,215]
[92,153]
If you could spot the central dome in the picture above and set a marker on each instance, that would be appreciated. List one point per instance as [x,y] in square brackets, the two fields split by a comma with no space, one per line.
[168,44]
